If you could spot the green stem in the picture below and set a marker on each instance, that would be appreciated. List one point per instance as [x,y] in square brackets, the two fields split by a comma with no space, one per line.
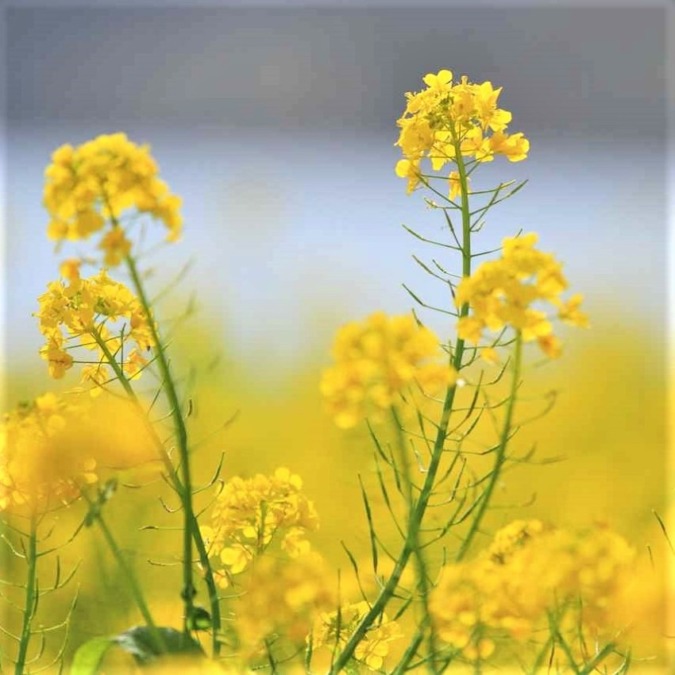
[190,521]
[389,588]
[112,362]
[136,590]
[422,573]
[178,486]
[31,597]
[500,455]
[189,591]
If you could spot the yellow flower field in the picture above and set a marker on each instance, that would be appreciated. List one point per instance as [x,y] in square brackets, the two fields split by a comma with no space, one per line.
[475,500]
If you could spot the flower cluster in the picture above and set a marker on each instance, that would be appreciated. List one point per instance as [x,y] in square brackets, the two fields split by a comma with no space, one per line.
[530,575]
[37,470]
[449,119]
[84,307]
[283,597]
[371,652]
[53,447]
[250,513]
[377,360]
[502,293]
[97,182]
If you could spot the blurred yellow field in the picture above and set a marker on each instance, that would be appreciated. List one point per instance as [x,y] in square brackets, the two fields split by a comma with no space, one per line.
[488,498]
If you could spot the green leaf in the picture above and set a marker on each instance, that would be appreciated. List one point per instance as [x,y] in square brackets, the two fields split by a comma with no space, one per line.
[139,642]
[89,656]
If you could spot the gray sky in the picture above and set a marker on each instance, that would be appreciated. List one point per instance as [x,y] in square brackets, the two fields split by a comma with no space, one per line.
[581,70]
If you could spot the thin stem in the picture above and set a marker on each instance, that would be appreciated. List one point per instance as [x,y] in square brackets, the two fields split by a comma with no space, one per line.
[190,525]
[134,586]
[442,431]
[178,487]
[500,453]
[112,361]
[31,597]
[422,573]
[189,591]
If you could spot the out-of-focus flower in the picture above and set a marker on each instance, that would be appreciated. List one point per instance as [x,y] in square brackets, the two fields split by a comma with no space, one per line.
[283,597]
[377,360]
[55,446]
[37,471]
[529,575]
[372,650]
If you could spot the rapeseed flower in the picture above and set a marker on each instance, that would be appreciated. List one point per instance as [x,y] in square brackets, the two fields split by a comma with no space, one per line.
[376,361]
[250,514]
[39,472]
[530,574]
[283,597]
[508,292]
[449,119]
[97,183]
[373,649]
[54,447]
[83,308]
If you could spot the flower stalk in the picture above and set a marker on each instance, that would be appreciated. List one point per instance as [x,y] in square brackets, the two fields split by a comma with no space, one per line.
[31,597]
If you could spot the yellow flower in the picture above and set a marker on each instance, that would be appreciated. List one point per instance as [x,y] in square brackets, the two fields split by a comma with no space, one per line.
[70,269]
[377,360]
[455,185]
[283,597]
[38,471]
[372,649]
[84,308]
[502,293]
[99,181]
[449,118]
[116,247]
[249,515]
[530,573]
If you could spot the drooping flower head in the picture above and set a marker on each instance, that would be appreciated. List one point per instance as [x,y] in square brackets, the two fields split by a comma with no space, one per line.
[508,292]
[99,182]
[447,119]
[377,360]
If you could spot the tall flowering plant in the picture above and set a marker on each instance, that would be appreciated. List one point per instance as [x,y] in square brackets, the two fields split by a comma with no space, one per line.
[447,591]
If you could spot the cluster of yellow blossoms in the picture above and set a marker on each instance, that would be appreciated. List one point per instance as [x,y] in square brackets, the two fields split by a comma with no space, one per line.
[97,182]
[502,293]
[530,574]
[38,471]
[373,648]
[84,307]
[55,446]
[250,513]
[446,120]
[283,596]
[377,360]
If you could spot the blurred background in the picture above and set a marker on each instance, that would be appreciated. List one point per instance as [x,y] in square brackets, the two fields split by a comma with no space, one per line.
[276,125]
